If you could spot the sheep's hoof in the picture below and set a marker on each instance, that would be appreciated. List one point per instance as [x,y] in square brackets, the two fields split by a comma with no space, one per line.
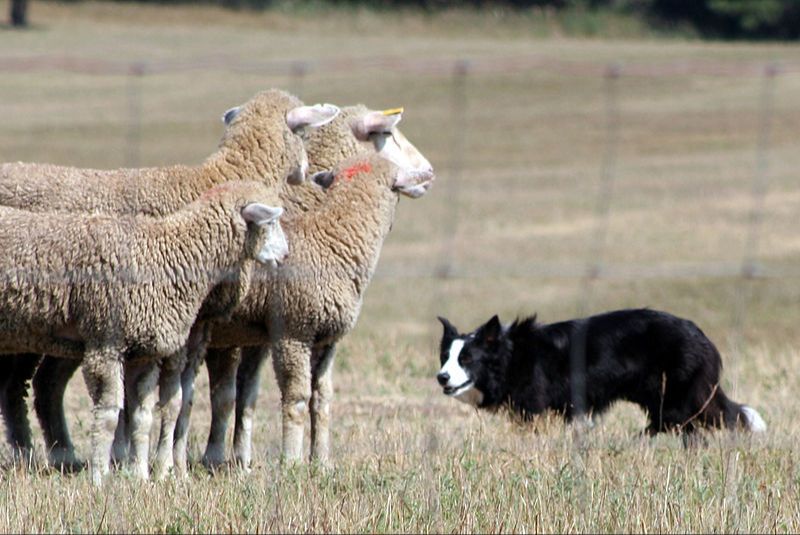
[322,467]
[65,462]
[212,468]
[69,466]
[180,472]
[243,465]
[24,460]
[291,463]
[173,472]
[218,468]
[118,463]
[212,463]
[322,463]
[98,477]
[161,473]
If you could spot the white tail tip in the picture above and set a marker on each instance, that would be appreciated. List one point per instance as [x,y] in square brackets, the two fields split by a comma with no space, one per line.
[755,423]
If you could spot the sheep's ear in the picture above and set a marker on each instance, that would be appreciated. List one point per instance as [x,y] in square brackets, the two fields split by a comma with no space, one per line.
[230,115]
[261,214]
[313,116]
[324,179]
[377,122]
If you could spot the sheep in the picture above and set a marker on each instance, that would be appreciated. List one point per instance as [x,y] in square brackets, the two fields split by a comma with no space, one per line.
[110,289]
[315,297]
[259,141]
[357,130]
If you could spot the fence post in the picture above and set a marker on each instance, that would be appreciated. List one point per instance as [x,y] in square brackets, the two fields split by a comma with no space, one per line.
[298,74]
[597,244]
[133,136]
[758,190]
[602,209]
[459,113]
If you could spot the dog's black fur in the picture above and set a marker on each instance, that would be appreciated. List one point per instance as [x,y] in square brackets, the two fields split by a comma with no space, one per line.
[663,363]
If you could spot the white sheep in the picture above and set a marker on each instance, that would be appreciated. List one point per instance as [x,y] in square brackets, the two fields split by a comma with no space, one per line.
[315,297]
[259,142]
[356,131]
[110,289]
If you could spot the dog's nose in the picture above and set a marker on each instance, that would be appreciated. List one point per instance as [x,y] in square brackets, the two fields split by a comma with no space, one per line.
[443,377]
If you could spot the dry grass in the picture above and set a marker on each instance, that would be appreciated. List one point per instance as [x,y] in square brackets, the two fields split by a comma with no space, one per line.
[515,226]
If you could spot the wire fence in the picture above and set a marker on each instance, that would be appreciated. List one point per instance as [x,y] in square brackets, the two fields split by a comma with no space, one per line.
[451,82]
[460,71]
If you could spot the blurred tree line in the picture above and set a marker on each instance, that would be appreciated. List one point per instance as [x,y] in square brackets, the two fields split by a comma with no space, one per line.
[765,19]
[731,19]
[762,19]
[19,13]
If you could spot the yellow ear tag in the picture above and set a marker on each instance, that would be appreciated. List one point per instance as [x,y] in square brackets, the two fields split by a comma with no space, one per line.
[392,111]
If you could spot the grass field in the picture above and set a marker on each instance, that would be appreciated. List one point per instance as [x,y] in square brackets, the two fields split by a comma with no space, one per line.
[521,147]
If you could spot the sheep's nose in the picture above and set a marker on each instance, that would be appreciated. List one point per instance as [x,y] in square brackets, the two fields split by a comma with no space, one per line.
[443,377]
[297,176]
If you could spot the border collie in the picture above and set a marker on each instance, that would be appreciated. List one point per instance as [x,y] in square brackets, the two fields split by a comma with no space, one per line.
[663,363]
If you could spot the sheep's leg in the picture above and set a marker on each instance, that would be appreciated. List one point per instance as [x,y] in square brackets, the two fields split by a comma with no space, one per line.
[222,365]
[140,397]
[121,448]
[49,384]
[102,372]
[181,439]
[169,390]
[321,395]
[13,390]
[248,378]
[196,351]
[292,362]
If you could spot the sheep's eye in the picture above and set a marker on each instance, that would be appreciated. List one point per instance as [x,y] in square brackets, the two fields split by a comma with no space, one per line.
[382,137]
[302,132]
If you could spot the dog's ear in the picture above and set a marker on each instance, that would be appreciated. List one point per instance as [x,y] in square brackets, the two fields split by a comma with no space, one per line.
[490,331]
[449,330]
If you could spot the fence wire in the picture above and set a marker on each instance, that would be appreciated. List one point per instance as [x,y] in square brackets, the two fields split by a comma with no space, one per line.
[458,76]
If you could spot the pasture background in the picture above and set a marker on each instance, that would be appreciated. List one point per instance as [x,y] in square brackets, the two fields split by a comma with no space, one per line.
[527,146]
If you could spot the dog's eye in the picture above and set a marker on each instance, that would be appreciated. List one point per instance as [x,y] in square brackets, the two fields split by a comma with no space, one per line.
[465,358]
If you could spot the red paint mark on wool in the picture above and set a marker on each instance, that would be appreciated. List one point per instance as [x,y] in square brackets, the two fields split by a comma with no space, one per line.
[216,191]
[351,172]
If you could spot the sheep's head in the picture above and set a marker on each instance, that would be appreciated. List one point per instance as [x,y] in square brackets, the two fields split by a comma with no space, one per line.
[376,169]
[361,131]
[255,211]
[266,131]
[270,245]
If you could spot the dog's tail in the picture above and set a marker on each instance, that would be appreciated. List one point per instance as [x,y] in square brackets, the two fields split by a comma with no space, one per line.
[753,420]
[738,415]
